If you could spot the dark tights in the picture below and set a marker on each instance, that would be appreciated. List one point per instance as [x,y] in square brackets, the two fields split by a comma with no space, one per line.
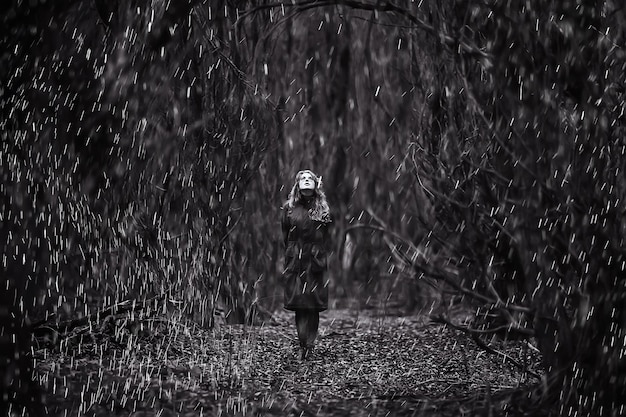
[307,323]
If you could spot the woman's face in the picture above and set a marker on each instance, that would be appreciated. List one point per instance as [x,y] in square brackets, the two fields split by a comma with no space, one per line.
[306,181]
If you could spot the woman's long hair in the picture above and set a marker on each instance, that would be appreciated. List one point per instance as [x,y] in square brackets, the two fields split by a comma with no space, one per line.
[319,210]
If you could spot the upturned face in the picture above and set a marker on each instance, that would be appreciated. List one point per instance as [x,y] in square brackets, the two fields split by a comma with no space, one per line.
[306,182]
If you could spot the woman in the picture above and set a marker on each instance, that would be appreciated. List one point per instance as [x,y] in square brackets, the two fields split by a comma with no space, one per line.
[305,225]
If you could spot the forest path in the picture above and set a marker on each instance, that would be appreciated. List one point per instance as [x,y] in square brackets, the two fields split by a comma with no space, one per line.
[365,364]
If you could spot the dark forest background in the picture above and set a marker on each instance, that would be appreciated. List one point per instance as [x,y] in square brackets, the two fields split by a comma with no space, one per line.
[473,153]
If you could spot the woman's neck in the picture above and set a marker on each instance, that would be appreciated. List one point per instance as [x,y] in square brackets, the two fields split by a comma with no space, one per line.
[306,200]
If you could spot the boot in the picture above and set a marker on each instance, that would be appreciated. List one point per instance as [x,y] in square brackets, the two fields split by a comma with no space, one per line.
[304,351]
[302,326]
[309,352]
[313,322]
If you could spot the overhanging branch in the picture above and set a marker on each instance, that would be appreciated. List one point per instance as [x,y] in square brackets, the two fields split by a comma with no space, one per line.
[445,273]
[445,39]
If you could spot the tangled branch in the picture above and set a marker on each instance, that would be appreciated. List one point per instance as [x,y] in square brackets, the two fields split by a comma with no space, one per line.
[452,42]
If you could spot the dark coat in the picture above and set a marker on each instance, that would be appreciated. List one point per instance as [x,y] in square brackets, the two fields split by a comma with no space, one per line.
[307,246]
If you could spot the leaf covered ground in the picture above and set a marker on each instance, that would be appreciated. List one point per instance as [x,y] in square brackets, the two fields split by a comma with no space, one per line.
[365,364]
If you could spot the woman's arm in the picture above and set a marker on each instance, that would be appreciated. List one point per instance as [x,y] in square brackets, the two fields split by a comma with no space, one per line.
[326,235]
[285,226]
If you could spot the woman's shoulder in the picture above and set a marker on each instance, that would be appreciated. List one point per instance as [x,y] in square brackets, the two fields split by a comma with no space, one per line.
[293,212]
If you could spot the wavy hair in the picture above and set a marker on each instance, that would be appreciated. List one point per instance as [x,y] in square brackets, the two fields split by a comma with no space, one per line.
[319,210]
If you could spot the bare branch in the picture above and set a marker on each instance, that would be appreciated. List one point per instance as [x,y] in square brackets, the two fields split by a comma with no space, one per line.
[240,74]
[445,273]
[467,329]
[176,11]
[474,333]
[452,43]
[120,308]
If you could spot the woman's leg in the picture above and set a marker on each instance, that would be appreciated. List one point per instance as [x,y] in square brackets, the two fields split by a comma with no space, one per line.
[313,324]
[307,325]
[302,327]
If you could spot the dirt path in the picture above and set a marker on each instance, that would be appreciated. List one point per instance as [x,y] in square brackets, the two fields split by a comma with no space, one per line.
[364,365]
